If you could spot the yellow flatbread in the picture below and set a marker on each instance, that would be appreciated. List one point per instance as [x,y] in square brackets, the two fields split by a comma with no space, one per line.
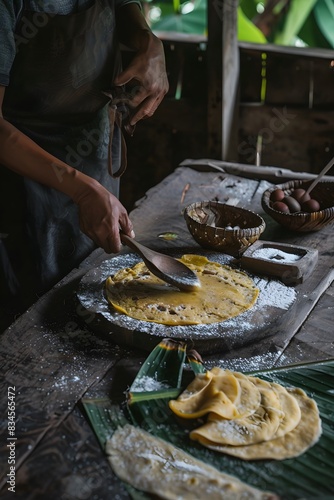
[257,427]
[250,396]
[292,444]
[224,293]
[290,408]
[157,467]
[217,393]
[257,420]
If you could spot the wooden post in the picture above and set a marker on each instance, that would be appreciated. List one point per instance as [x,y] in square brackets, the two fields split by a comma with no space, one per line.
[223,77]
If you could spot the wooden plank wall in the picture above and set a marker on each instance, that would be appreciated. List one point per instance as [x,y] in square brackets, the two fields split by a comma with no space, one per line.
[295,116]
[222,56]
[287,96]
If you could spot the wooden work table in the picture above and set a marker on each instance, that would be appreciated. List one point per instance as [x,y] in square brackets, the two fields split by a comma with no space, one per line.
[53,356]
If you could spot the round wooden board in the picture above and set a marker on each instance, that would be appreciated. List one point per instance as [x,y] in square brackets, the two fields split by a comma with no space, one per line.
[274,302]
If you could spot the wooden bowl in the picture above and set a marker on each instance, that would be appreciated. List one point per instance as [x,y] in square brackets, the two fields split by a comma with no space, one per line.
[303,221]
[223,228]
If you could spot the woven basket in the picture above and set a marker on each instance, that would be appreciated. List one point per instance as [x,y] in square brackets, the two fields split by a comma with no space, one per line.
[223,228]
[302,221]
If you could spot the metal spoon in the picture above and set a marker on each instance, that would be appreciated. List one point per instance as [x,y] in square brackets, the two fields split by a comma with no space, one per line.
[163,266]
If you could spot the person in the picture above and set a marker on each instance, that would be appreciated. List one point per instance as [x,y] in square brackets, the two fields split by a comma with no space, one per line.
[63,96]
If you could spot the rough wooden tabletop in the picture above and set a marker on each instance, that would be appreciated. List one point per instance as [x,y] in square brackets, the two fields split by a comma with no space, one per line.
[51,356]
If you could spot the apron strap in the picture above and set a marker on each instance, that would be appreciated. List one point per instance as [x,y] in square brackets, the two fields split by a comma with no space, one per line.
[115,117]
[19,15]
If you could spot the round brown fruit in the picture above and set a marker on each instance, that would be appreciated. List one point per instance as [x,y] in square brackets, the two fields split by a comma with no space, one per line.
[277,195]
[310,206]
[281,207]
[293,204]
[300,195]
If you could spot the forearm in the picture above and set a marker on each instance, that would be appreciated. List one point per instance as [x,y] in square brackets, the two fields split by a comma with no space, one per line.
[133,30]
[23,156]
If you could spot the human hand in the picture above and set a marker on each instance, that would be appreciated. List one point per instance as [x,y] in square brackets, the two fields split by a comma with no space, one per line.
[102,216]
[147,76]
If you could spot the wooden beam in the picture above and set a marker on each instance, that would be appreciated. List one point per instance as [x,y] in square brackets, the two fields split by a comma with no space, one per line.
[313,52]
[223,76]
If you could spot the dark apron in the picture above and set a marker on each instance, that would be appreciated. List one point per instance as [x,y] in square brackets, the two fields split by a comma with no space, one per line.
[55,97]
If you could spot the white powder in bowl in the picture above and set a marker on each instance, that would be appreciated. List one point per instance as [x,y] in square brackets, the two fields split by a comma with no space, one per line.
[275,254]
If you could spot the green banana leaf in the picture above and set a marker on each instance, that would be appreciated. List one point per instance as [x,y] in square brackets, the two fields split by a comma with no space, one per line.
[324,15]
[307,477]
[163,367]
[294,20]
[194,22]
[247,31]
[250,7]
[307,22]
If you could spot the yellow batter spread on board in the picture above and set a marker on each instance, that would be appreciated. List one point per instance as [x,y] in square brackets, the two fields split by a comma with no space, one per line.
[224,293]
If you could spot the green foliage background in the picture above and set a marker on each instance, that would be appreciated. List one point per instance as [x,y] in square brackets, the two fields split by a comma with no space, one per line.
[301,23]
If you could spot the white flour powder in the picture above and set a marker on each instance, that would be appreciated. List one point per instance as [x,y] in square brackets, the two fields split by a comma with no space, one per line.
[275,254]
[275,294]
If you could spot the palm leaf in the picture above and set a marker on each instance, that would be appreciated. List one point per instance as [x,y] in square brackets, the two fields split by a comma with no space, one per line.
[194,22]
[324,14]
[247,31]
[294,21]
[161,371]
[163,367]
[196,362]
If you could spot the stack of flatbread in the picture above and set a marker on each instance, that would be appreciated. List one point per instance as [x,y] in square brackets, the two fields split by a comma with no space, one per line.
[248,417]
